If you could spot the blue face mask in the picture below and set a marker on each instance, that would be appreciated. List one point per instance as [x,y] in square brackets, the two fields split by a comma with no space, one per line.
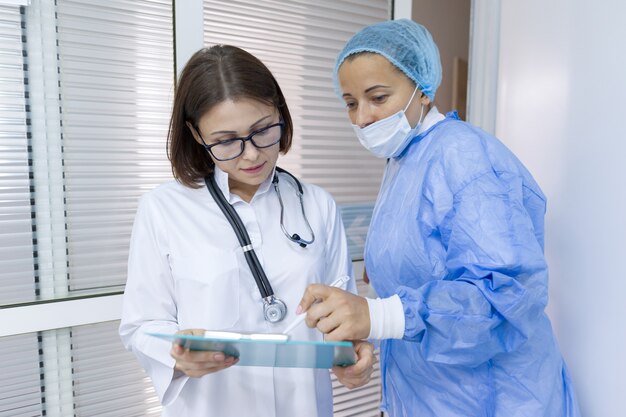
[387,138]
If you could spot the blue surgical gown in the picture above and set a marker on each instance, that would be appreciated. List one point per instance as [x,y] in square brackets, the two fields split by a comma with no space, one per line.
[458,233]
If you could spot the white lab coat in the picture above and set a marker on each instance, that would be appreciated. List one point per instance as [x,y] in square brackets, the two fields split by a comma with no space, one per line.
[187,270]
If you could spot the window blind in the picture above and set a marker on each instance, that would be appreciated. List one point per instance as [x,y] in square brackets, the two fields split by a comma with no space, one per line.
[107,380]
[116,66]
[116,83]
[79,371]
[356,219]
[85,93]
[16,240]
[20,386]
[86,97]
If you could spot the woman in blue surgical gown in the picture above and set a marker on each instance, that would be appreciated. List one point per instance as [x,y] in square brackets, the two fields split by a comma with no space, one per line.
[454,250]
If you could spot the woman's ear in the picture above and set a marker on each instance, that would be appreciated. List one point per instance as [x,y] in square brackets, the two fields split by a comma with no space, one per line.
[195,133]
[425,100]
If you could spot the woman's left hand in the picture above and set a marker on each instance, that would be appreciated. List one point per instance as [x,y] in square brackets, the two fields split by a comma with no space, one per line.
[360,373]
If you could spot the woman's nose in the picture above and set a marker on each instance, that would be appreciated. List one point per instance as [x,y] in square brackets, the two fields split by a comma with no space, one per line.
[250,151]
[364,117]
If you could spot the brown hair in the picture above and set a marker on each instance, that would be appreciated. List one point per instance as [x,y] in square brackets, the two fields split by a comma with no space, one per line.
[211,76]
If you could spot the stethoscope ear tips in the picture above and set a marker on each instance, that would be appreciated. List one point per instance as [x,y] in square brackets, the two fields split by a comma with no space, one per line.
[296,238]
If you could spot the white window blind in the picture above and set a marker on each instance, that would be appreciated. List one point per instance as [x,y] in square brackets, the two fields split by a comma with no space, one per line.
[20,386]
[16,238]
[116,66]
[107,380]
[78,371]
[86,97]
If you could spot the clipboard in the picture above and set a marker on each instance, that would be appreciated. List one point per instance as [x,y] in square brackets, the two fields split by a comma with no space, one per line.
[267,349]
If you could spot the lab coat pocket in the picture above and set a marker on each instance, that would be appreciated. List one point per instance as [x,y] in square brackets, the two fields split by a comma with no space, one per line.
[207,291]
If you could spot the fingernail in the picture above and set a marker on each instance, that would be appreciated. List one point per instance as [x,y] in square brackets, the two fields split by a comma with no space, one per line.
[299,310]
[218,357]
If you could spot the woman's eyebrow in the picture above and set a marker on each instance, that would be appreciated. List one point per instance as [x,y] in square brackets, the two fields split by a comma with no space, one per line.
[262,119]
[218,132]
[374,87]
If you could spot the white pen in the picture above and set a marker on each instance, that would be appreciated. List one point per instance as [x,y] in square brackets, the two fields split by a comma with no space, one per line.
[338,283]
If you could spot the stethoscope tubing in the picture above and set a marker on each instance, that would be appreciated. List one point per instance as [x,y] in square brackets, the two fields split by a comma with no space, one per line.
[267,293]
[296,238]
[242,236]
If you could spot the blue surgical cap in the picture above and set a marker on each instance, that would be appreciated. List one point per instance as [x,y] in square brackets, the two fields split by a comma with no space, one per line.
[406,44]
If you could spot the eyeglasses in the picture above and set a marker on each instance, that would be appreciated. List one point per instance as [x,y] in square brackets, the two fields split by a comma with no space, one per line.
[232,148]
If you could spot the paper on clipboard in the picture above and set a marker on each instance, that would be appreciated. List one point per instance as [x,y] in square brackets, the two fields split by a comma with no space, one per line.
[274,350]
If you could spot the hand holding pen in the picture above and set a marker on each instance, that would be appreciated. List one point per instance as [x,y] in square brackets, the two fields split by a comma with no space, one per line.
[340,282]
[339,314]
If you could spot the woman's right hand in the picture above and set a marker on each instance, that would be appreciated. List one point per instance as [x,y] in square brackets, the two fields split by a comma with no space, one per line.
[339,314]
[197,363]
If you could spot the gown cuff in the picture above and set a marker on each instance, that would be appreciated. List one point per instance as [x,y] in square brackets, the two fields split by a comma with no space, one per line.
[386,318]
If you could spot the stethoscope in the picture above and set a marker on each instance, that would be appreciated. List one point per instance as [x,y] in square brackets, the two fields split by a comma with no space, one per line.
[274,309]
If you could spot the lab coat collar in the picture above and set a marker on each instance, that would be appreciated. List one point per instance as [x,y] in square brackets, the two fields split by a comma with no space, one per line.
[432,118]
[221,178]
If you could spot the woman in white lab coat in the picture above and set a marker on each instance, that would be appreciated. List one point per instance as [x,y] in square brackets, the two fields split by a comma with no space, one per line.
[187,271]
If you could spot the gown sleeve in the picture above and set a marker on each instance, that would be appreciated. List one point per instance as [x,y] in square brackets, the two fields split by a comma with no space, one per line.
[149,302]
[495,288]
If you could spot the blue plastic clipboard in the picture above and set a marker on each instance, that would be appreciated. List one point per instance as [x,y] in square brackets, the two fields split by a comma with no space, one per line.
[275,350]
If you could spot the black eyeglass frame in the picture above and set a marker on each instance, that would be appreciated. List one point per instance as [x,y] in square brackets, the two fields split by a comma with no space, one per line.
[243,141]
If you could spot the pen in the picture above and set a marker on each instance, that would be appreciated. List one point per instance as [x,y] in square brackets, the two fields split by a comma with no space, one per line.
[338,283]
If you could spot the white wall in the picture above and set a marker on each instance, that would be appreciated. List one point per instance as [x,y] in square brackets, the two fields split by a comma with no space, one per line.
[560,108]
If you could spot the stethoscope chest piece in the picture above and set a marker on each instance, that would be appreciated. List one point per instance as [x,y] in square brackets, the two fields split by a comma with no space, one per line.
[274,309]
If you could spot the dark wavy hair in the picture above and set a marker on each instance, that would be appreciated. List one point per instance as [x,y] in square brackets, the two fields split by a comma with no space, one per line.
[211,76]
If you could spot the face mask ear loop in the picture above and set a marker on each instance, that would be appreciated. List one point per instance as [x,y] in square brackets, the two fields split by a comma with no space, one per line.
[410,100]
[421,114]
